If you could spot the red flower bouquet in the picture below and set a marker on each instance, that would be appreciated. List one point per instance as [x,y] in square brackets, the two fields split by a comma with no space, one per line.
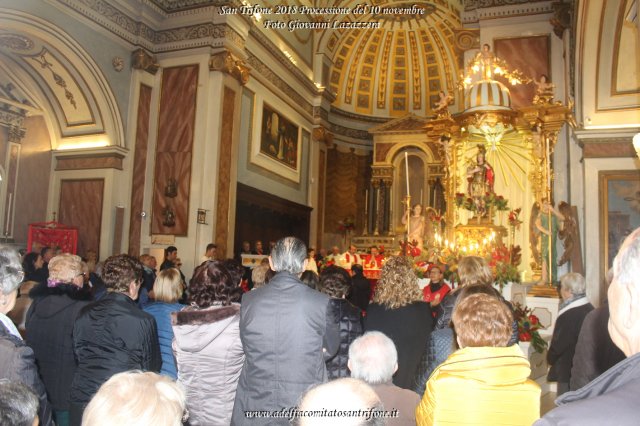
[528,326]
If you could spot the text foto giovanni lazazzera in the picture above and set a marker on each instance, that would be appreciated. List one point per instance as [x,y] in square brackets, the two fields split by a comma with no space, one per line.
[279,16]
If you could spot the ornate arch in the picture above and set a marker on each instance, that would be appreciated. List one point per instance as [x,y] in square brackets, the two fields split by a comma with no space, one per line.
[63,79]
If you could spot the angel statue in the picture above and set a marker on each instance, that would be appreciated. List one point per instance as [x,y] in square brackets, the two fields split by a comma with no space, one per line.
[570,239]
[442,106]
[547,224]
[544,90]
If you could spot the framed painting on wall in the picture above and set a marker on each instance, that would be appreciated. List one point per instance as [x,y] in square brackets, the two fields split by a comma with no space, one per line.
[279,147]
[619,211]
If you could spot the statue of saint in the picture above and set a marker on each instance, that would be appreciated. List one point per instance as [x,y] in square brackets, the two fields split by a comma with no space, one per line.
[480,178]
[547,224]
[485,57]
[417,225]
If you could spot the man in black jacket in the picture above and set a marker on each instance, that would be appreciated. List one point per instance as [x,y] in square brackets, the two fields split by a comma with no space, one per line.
[112,335]
[286,335]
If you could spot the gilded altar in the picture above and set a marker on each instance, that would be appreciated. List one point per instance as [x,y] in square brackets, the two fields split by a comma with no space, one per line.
[476,179]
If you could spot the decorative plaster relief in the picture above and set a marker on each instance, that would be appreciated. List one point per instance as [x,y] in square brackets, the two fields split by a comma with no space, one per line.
[141,60]
[261,70]
[226,62]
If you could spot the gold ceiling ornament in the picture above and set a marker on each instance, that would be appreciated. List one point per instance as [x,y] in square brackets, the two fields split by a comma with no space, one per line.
[488,113]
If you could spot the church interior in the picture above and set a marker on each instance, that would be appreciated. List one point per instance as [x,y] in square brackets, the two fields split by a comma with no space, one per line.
[149,123]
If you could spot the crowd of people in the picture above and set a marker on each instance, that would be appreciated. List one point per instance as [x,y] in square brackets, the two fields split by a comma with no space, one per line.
[124,344]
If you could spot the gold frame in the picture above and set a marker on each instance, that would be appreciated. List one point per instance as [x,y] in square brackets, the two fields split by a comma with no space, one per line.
[604,177]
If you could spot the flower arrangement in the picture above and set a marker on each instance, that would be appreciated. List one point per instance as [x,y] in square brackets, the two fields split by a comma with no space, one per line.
[504,264]
[421,269]
[489,200]
[501,203]
[514,218]
[324,263]
[528,326]
[347,224]
[462,201]
[410,248]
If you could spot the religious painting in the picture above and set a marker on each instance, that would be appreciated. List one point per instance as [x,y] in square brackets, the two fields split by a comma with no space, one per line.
[531,55]
[276,142]
[620,210]
[279,138]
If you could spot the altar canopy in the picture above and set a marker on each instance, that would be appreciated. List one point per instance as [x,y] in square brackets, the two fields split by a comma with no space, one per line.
[52,234]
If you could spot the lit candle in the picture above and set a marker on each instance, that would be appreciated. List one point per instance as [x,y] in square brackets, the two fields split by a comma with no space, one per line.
[406,169]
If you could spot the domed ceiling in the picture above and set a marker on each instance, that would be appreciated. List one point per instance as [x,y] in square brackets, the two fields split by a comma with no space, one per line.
[399,67]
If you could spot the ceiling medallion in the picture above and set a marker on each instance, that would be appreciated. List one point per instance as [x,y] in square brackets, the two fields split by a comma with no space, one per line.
[16,42]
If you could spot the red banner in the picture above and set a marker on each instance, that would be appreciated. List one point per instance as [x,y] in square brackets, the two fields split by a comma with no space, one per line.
[53,234]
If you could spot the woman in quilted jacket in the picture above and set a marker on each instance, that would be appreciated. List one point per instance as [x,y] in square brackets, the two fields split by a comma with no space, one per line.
[207,345]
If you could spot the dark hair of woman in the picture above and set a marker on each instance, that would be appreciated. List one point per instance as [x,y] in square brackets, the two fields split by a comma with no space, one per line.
[335,282]
[310,279]
[119,271]
[28,264]
[235,270]
[213,284]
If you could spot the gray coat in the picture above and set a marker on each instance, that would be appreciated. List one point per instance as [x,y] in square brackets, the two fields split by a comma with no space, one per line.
[612,398]
[284,328]
[209,357]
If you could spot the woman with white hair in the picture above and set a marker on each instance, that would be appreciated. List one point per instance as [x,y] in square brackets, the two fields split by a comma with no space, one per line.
[17,362]
[50,320]
[135,398]
[574,308]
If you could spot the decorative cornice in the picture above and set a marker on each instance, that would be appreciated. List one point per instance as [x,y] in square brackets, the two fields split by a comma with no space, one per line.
[110,157]
[499,9]
[141,60]
[483,4]
[350,133]
[140,33]
[358,117]
[277,54]
[171,6]
[264,72]
[226,62]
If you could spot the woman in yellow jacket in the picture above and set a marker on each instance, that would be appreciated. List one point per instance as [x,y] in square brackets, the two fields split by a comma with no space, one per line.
[485,382]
